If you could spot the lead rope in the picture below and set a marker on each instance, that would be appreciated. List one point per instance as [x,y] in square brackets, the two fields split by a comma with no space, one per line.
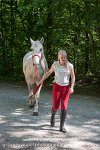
[37,74]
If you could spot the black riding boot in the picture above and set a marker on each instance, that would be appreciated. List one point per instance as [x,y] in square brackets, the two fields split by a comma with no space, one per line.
[62,120]
[52,121]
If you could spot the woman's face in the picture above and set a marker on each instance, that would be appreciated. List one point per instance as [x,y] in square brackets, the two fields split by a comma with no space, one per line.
[62,59]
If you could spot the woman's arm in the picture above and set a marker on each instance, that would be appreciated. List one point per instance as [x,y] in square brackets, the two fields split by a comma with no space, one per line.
[72,81]
[47,74]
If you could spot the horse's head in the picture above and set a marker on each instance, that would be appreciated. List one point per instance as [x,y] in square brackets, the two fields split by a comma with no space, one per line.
[37,49]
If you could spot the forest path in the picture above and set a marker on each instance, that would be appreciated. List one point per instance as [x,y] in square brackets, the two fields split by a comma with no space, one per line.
[20,130]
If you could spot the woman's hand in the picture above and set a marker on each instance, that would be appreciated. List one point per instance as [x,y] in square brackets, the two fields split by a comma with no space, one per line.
[71,90]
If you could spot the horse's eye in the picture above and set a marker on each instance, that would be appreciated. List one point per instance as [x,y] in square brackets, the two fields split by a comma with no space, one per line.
[40,49]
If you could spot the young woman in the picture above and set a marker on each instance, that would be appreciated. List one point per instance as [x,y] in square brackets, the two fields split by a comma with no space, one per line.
[61,89]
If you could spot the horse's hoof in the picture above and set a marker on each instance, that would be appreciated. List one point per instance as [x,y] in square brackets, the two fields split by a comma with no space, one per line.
[35,114]
[31,105]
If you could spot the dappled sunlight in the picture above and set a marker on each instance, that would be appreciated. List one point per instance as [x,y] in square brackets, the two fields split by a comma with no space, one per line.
[24,132]
[19,129]
[20,124]
[94,122]
[76,144]
[25,120]
[3,119]
[18,111]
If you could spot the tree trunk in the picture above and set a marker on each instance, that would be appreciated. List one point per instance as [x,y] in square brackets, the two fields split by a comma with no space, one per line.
[98,18]
[49,27]
[2,47]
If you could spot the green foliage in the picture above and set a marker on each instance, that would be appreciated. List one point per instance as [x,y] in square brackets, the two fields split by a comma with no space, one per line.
[73,25]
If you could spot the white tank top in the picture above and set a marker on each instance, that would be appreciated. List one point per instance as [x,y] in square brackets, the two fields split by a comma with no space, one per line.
[62,74]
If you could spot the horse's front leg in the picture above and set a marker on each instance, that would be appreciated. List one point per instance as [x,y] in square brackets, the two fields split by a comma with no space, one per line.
[30,89]
[37,96]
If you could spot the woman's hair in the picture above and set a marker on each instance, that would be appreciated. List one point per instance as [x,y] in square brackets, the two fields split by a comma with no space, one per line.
[62,52]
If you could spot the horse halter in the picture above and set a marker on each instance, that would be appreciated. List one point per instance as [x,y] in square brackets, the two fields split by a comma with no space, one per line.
[36,55]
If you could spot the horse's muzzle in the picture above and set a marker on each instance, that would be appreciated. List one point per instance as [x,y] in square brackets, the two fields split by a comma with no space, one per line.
[36,65]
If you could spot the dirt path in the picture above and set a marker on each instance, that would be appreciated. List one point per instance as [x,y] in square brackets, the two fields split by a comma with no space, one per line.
[20,130]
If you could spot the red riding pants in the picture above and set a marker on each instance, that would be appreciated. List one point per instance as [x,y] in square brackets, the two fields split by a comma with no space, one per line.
[60,95]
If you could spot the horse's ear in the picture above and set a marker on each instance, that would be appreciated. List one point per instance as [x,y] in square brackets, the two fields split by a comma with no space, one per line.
[42,40]
[32,42]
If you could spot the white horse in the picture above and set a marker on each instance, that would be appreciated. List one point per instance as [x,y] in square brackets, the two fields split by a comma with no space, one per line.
[34,67]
